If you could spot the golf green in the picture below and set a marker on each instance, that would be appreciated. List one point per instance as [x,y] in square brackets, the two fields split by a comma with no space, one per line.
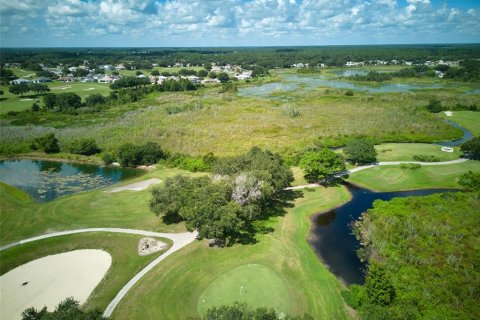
[253,284]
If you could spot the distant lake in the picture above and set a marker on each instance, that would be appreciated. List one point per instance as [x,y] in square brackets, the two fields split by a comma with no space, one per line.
[331,233]
[47,180]
[293,82]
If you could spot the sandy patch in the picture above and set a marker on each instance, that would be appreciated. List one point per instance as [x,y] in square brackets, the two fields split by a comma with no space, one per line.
[448,113]
[137,186]
[61,88]
[148,246]
[27,99]
[49,280]
[88,89]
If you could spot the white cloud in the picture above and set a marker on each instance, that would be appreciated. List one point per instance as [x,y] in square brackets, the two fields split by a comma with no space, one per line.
[239,21]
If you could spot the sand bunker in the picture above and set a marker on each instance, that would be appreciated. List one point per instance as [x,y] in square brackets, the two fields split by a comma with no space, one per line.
[137,186]
[49,280]
[88,89]
[27,99]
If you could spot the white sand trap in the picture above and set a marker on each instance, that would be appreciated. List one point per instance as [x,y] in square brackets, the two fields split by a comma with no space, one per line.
[27,99]
[448,113]
[88,89]
[137,186]
[48,281]
[61,88]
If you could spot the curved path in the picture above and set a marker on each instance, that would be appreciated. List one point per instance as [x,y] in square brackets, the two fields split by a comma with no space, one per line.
[137,186]
[388,163]
[179,241]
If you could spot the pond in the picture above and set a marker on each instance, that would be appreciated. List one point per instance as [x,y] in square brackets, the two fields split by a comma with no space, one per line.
[293,82]
[331,233]
[47,180]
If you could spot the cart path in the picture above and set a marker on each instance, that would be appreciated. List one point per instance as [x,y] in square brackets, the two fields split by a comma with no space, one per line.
[388,163]
[137,186]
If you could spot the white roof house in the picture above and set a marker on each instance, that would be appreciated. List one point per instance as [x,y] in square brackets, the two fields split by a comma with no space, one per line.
[19,81]
[105,79]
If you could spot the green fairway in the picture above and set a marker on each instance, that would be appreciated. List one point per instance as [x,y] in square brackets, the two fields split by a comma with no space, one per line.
[406,151]
[11,102]
[467,119]
[122,247]
[21,218]
[392,178]
[253,284]
[173,289]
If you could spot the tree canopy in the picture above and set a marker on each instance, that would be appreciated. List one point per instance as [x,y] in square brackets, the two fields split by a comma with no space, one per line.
[360,151]
[67,309]
[320,165]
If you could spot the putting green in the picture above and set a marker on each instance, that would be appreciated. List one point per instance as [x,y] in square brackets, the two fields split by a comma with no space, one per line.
[253,284]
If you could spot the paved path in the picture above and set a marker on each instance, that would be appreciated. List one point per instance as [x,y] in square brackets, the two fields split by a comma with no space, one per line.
[137,186]
[179,241]
[388,163]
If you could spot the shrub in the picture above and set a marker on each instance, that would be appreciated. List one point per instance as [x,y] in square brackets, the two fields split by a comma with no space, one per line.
[130,155]
[472,148]
[107,158]
[349,93]
[470,180]
[291,112]
[410,166]
[47,143]
[378,287]
[84,147]
[426,158]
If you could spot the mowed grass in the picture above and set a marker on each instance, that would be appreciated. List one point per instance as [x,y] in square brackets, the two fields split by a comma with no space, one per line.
[467,119]
[393,178]
[22,218]
[254,284]
[122,247]
[406,151]
[11,102]
[174,288]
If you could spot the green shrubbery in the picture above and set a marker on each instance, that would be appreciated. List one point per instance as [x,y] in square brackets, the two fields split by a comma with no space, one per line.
[67,309]
[426,158]
[47,143]
[472,148]
[422,254]
[130,155]
[240,311]
[84,147]
[410,166]
[470,180]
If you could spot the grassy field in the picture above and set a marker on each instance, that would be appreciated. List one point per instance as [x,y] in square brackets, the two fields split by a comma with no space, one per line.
[122,247]
[253,284]
[174,289]
[467,119]
[11,102]
[406,151]
[392,178]
[228,124]
[22,218]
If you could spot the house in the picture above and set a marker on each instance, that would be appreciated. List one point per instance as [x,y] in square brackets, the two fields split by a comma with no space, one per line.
[72,69]
[141,76]
[161,79]
[152,79]
[66,78]
[120,66]
[439,74]
[87,79]
[107,67]
[205,81]
[42,80]
[194,79]
[354,63]
[20,81]
[105,79]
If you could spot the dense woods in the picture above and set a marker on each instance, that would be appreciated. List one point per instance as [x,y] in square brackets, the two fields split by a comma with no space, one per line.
[422,254]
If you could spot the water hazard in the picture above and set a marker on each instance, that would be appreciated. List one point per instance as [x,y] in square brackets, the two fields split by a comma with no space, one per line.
[331,234]
[48,180]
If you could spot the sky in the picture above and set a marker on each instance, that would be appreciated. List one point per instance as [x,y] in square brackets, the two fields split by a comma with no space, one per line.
[209,23]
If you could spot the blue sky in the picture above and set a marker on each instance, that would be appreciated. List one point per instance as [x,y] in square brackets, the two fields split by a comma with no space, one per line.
[193,23]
